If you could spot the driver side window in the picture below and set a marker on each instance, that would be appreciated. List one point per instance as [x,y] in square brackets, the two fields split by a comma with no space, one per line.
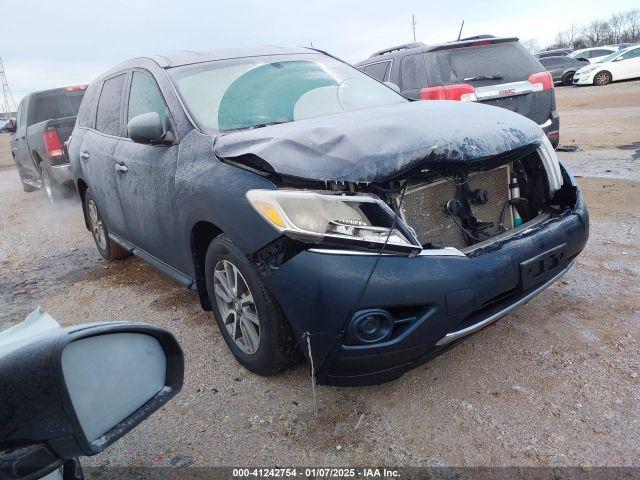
[145,97]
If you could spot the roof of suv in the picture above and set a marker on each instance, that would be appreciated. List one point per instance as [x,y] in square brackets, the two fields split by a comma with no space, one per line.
[408,48]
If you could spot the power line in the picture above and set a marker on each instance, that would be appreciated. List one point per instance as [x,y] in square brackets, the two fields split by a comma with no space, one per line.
[8,103]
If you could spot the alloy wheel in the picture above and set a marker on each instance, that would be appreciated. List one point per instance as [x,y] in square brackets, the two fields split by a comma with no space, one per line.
[602,78]
[236,306]
[97,228]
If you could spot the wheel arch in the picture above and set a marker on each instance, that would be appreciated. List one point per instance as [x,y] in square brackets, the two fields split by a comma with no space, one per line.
[82,187]
[202,234]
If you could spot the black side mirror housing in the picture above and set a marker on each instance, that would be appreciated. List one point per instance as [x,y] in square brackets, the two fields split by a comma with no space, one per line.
[70,392]
[147,128]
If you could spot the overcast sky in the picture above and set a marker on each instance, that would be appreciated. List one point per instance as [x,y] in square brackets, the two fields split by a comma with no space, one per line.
[49,43]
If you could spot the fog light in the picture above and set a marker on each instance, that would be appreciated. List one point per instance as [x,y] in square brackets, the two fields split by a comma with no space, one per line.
[369,326]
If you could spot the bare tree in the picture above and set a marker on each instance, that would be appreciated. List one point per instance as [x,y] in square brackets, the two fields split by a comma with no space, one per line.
[532,45]
[632,25]
[621,27]
[615,29]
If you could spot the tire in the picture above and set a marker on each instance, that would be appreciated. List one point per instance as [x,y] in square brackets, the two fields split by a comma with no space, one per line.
[54,191]
[275,349]
[109,250]
[567,79]
[25,187]
[602,78]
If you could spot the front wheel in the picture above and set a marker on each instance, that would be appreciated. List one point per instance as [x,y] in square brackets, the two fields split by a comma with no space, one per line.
[109,250]
[251,322]
[602,78]
[567,79]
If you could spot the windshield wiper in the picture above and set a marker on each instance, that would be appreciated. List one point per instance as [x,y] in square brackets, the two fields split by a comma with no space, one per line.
[484,77]
[266,124]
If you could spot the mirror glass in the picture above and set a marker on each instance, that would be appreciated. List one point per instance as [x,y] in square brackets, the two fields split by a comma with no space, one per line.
[110,376]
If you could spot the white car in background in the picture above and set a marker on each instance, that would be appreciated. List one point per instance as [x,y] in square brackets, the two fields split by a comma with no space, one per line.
[617,66]
[594,54]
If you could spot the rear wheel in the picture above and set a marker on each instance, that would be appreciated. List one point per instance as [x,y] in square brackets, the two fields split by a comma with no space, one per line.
[602,78]
[252,324]
[567,79]
[109,250]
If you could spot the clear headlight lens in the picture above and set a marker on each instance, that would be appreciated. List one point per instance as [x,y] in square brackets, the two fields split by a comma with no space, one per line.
[316,217]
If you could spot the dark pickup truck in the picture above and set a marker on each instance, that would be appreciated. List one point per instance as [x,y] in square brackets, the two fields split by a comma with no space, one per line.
[43,124]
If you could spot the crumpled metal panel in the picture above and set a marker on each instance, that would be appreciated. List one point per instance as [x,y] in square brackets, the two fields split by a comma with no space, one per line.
[377,144]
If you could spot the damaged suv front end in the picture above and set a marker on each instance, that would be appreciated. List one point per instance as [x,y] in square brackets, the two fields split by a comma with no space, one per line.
[401,228]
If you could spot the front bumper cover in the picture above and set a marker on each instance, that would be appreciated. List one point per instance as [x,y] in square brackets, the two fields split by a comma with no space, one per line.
[319,292]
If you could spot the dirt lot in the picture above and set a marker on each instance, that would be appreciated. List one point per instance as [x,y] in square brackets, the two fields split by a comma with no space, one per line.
[555,383]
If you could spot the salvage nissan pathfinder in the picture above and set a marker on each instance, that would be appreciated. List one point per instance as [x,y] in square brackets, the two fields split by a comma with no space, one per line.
[315,209]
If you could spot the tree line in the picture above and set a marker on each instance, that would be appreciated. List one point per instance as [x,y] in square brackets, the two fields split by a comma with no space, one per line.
[623,27]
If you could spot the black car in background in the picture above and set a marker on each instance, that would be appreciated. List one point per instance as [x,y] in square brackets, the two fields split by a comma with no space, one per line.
[553,53]
[485,69]
[562,68]
[43,123]
[310,205]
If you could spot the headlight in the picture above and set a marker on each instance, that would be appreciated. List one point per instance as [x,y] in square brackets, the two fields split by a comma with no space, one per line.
[588,70]
[315,217]
[551,164]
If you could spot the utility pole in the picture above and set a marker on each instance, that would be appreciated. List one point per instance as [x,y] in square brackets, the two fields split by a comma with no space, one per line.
[8,103]
[413,27]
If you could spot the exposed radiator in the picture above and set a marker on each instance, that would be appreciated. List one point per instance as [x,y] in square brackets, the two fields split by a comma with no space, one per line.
[424,207]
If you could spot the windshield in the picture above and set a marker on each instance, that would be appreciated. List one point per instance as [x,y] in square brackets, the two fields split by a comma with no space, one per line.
[257,91]
[609,57]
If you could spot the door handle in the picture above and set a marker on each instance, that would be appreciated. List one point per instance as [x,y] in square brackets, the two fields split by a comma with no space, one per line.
[122,168]
[84,155]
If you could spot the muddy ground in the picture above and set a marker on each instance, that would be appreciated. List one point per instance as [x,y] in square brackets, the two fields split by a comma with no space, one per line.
[555,383]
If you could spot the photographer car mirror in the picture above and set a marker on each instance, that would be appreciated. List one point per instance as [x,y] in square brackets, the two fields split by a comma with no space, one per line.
[69,392]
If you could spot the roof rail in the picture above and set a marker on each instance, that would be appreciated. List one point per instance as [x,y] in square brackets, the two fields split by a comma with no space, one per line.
[404,46]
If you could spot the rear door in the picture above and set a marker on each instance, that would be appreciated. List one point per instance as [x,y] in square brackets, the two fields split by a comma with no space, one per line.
[500,74]
[98,149]
[146,177]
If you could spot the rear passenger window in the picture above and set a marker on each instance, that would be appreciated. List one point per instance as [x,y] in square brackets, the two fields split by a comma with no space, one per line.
[413,72]
[379,71]
[145,96]
[108,114]
[85,117]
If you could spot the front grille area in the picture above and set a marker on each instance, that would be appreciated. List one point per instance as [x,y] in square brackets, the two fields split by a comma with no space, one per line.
[424,207]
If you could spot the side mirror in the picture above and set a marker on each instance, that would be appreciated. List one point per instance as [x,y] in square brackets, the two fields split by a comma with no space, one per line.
[582,59]
[76,390]
[393,86]
[10,126]
[147,128]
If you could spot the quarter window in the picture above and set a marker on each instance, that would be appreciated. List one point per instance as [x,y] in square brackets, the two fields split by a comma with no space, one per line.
[109,105]
[145,96]
[413,72]
[379,71]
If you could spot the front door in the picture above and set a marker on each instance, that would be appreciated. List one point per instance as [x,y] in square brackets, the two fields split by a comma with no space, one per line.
[627,65]
[145,176]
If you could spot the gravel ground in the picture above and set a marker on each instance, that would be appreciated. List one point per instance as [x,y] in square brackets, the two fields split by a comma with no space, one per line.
[555,383]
